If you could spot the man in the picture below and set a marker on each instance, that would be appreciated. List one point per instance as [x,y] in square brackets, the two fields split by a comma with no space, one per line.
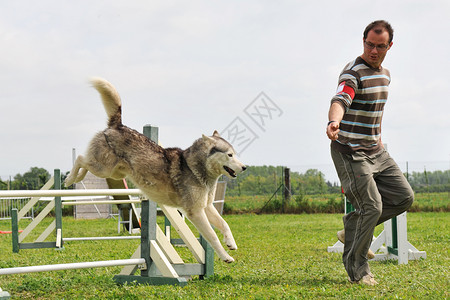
[372,181]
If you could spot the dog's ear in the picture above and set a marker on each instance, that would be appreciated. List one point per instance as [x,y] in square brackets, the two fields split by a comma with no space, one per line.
[216,134]
[207,139]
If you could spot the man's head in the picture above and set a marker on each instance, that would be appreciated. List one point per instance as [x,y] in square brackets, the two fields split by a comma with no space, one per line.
[377,40]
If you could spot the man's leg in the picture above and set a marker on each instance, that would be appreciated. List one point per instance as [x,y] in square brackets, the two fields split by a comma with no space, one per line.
[356,175]
[397,195]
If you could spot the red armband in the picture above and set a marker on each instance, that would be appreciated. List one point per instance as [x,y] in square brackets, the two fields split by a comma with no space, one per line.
[343,88]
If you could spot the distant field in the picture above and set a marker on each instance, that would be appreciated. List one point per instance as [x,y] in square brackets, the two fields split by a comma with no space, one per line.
[432,202]
[326,203]
[279,257]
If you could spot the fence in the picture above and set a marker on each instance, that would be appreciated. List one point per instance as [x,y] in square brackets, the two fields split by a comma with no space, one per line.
[6,204]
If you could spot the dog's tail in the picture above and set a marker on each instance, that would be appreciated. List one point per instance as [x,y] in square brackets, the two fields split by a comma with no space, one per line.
[111,101]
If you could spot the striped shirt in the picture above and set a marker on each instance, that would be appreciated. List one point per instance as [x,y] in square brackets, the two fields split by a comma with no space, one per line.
[363,91]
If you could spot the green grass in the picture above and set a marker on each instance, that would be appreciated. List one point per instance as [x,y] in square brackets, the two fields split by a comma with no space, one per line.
[431,202]
[279,257]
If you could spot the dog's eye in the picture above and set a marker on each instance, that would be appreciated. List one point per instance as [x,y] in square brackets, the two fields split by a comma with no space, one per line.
[230,155]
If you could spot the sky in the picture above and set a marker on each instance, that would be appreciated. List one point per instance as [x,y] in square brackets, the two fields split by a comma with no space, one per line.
[261,73]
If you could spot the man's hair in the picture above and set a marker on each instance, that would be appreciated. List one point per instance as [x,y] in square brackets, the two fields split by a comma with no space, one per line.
[378,27]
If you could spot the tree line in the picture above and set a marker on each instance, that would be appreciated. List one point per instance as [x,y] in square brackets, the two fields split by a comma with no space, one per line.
[33,179]
[260,180]
[263,180]
[430,182]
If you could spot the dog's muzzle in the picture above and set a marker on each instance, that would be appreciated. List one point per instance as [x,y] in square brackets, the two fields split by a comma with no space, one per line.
[230,171]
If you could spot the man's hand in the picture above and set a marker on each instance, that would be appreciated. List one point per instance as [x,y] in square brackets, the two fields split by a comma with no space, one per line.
[333,130]
[335,115]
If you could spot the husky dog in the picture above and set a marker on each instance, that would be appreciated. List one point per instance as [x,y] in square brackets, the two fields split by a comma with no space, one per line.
[185,179]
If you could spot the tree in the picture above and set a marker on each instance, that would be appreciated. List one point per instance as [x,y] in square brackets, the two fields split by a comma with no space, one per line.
[31,180]
[3,185]
[311,182]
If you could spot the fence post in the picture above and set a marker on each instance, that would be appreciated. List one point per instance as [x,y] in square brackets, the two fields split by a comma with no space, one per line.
[348,206]
[15,230]
[287,189]
[148,212]
[209,258]
[58,209]
[151,132]
[393,248]
[145,238]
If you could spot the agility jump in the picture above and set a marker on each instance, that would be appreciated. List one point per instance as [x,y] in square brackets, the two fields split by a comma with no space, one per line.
[392,242]
[156,258]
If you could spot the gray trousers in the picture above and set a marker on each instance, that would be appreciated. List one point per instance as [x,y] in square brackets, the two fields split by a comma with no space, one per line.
[378,190]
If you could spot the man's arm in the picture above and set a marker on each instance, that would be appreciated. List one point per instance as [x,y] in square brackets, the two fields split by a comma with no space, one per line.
[335,115]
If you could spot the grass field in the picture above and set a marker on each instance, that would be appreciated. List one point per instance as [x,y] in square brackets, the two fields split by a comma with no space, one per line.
[324,203]
[279,257]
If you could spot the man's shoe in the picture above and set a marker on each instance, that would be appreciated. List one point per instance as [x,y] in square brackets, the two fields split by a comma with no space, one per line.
[341,238]
[366,280]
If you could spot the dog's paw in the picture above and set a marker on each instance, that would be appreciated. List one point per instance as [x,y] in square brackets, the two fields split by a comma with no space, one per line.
[225,257]
[232,247]
[228,260]
[68,182]
[231,244]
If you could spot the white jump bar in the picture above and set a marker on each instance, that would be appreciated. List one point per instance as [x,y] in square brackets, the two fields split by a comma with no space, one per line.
[53,193]
[71,266]
[100,202]
[101,238]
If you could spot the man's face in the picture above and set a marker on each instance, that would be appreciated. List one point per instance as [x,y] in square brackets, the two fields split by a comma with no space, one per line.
[376,47]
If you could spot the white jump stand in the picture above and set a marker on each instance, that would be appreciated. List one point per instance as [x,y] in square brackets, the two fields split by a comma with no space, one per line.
[392,242]
[4,295]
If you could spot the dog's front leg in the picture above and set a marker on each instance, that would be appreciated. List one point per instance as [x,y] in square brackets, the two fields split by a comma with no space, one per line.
[200,221]
[78,172]
[217,221]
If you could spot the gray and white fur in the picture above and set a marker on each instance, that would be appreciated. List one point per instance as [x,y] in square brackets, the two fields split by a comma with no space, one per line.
[185,179]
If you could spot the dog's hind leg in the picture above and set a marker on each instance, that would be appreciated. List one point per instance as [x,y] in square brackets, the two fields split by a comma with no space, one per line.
[217,221]
[200,221]
[78,172]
